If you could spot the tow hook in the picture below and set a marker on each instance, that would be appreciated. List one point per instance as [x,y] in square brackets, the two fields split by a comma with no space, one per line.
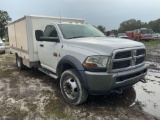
[143,80]
[118,91]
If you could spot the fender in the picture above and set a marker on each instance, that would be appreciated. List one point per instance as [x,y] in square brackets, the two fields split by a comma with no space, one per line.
[76,64]
[72,61]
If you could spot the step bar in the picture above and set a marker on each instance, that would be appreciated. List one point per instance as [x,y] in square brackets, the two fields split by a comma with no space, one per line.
[51,74]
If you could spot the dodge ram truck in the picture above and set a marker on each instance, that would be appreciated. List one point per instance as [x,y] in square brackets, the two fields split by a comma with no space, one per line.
[78,54]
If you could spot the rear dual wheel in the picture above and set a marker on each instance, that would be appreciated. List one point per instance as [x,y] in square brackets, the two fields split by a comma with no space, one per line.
[19,62]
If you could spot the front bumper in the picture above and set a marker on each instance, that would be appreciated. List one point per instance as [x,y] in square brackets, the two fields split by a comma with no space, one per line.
[101,82]
[156,38]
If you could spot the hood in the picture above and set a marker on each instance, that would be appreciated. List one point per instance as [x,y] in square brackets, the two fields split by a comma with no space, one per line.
[103,45]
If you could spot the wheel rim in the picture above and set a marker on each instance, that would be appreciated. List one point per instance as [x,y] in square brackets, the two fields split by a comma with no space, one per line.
[70,88]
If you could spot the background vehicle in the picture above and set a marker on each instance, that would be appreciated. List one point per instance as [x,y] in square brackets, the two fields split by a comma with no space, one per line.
[156,36]
[143,34]
[82,57]
[122,35]
[2,47]
[110,34]
[130,34]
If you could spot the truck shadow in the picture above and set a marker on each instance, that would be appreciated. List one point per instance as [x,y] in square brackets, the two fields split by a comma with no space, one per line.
[126,98]
[99,105]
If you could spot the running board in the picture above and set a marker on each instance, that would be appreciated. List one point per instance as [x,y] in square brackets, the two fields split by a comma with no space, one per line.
[51,74]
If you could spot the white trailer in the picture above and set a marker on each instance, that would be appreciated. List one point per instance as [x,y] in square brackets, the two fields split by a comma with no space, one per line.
[22,36]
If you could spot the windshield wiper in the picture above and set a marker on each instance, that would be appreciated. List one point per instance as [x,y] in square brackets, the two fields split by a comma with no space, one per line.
[76,37]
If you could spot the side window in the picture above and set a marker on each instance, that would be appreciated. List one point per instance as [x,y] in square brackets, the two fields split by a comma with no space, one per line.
[50,31]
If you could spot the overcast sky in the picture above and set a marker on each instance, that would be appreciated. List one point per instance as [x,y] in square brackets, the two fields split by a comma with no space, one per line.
[109,13]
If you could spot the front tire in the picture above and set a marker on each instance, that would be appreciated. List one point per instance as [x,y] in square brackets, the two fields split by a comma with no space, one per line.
[72,88]
[19,63]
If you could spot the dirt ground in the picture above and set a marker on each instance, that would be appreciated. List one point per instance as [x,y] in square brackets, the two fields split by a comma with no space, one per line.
[30,94]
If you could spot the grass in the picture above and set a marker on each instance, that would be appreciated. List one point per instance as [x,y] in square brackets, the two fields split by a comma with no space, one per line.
[151,42]
[6,73]
[13,113]
[56,108]
[32,107]
[17,114]
[153,53]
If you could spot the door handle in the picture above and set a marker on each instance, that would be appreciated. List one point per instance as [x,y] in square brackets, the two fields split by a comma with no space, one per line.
[41,45]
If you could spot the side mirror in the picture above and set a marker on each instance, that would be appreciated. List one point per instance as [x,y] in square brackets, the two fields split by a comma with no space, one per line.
[38,34]
[50,39]
[39,37]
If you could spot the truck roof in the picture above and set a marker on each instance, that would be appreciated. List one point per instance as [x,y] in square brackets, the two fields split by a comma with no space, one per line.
[76,20]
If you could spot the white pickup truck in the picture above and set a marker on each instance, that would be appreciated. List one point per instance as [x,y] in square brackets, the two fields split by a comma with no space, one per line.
[77,54]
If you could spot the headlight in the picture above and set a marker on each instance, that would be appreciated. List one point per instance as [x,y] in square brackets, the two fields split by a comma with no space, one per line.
[96,62]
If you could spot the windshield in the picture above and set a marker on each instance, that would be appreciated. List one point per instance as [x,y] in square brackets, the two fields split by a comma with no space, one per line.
[70,31]
[146,31]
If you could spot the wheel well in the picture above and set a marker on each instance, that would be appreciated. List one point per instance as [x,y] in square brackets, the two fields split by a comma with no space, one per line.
[63,67]
[16,54]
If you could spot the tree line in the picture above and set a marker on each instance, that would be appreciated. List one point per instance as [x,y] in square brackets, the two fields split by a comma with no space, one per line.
[4,20]
[132,24]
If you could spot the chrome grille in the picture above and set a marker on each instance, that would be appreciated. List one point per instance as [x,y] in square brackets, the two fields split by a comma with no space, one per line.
[139,60]
[121,64]
[124,54]
[140,52]
[128,58]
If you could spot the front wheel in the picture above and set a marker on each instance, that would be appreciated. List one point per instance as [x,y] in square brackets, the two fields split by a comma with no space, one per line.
[71,88]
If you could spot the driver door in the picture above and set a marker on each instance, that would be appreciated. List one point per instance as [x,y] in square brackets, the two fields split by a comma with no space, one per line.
[48,51]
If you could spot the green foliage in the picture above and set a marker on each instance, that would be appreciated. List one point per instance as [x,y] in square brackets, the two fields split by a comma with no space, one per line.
[155,25]
[151,43]
[131,24]
[101,28]
[4,19]
[115,32]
